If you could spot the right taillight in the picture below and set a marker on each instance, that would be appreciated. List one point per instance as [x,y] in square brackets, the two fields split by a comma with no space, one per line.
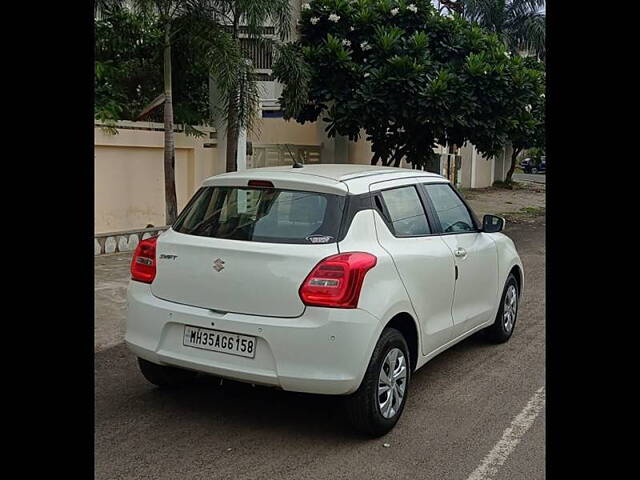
[336,281]
[143,264]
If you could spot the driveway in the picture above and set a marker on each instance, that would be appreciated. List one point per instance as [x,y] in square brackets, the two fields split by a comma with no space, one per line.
[475,412]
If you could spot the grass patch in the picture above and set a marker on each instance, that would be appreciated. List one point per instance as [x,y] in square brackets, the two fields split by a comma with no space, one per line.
[525,214]
[508,186]
[535,211]
[465,192]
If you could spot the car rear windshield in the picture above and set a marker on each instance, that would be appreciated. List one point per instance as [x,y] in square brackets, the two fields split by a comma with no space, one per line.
[262,215]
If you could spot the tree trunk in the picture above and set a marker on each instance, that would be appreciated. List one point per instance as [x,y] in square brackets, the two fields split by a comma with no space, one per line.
[514,155]
[451,167]
[232,137]
[375,158]
[171,203]
[397,157]
[233,129]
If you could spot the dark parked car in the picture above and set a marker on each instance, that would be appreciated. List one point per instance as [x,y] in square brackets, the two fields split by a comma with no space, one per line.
[530,167]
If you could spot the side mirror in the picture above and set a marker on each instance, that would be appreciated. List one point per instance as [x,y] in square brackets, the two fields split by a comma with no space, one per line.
[492,223]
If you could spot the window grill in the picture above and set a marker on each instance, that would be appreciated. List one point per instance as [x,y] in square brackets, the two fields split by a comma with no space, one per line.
[260,53]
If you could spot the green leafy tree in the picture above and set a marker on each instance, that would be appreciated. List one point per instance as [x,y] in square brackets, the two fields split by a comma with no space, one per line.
[527,129]
[411,78]
[128,65]
[536,154]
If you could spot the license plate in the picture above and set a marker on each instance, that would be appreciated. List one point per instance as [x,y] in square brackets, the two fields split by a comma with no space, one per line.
[218,341]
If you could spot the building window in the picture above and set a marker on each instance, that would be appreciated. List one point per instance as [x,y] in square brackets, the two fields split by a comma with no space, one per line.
[260,53]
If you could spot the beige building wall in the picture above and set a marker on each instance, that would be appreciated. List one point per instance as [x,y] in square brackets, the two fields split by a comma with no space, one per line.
[129,175]
[360,151]
[129,171]
[278,131]
[483,171]
[502,163]
[475,171]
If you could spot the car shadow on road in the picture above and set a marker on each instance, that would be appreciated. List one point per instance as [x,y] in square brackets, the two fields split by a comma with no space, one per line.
[238,408]
[122,394]
[242,406]
[459,360]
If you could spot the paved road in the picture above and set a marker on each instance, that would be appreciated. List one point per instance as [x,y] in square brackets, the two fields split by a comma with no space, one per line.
[111,274]
[474,412]
[530,177]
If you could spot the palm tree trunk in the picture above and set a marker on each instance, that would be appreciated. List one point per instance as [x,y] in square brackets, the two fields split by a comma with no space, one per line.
[232,137]
[232,117]
[171,203]
[514,155]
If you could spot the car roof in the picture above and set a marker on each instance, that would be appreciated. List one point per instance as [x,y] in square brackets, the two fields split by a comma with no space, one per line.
[327,177]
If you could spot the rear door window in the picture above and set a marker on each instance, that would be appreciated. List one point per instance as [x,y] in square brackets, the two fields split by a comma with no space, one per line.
[406,212]
[262,215]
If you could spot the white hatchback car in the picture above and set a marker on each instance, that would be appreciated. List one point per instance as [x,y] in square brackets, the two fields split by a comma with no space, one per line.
[328,279]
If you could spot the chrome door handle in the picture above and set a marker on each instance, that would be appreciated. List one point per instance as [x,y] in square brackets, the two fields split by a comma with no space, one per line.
[460,252]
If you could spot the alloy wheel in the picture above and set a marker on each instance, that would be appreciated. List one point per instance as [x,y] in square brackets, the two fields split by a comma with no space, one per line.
[392,383]
[510,308]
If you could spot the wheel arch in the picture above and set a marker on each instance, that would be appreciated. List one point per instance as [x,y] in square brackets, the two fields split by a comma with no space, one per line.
[516,270]
[406,324]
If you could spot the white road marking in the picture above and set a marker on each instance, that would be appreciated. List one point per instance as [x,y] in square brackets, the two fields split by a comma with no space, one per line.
[510,438]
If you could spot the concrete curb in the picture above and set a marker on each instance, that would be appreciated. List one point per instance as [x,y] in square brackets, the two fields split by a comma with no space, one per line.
[125,241]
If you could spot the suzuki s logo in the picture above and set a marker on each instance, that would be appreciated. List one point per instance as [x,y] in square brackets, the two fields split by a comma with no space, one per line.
[218,265]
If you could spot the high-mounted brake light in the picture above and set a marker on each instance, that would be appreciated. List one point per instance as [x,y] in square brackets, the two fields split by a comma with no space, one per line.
[337,280]
[260,183]
[143,264]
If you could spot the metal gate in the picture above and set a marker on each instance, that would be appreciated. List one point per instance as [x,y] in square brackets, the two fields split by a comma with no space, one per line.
[446,164]
[281,154]
[451,167]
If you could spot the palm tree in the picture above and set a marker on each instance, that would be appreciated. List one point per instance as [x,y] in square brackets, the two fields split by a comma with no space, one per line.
[224,56]
[240,96]
[520,23]
[166,12]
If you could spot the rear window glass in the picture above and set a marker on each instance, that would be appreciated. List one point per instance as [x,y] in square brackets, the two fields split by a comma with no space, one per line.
[262,215]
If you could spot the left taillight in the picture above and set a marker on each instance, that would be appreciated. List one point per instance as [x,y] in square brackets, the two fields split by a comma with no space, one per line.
[337,280]
[143,264]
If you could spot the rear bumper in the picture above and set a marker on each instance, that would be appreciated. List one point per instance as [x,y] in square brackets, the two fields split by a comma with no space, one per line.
[323,351]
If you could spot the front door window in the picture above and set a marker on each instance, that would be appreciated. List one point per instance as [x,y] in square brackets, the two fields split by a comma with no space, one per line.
[451,211]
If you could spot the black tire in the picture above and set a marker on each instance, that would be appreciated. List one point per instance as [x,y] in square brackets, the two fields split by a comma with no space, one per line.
[165,377]
[499,331]
[362,406]
[534,170]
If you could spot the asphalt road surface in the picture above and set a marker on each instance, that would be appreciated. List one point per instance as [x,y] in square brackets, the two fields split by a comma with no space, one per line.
[475,412]
[530,177]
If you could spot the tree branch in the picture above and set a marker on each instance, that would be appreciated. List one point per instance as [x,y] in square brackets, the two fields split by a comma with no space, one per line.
[159,100]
